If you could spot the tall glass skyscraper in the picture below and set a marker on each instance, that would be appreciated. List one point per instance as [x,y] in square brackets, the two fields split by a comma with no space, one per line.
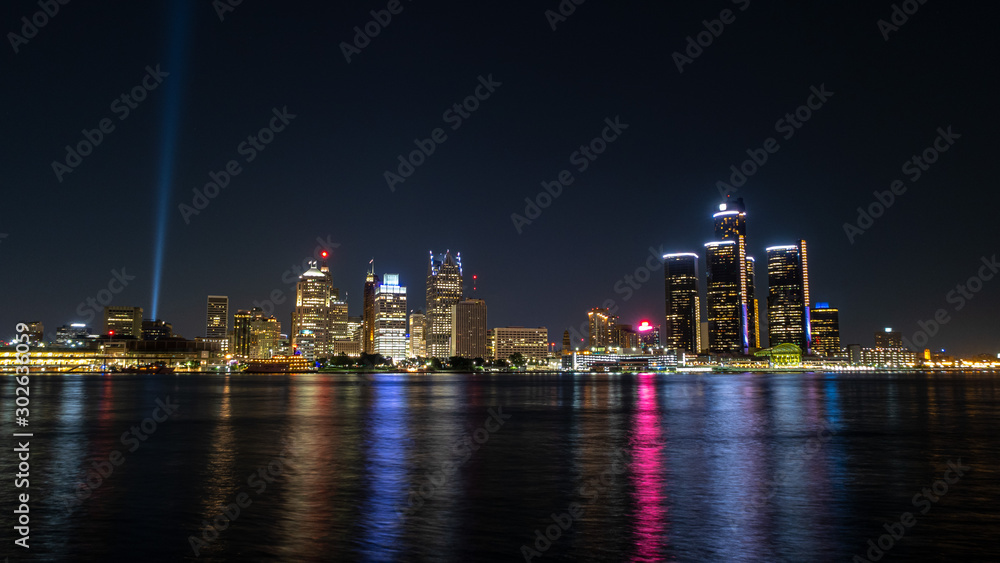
[368,322]
[390,318]
[731,225]
[726,288]
[788,296]
[311,317]
[683,305]
[444,290]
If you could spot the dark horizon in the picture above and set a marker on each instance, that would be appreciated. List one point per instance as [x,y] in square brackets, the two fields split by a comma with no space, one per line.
[543,94]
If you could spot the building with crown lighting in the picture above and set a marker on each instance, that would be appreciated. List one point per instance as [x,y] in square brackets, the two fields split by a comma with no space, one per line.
[311,317]
[649,335]
[683,304]
[444,290]
[372,282]
[390,318]
[788,296]
[731,225]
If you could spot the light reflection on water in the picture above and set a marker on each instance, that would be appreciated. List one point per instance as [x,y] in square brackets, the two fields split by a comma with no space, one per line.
[718,467]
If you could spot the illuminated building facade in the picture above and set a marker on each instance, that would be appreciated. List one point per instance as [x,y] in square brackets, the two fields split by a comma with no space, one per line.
[601,328]
[788,296]
[468,329]
[312,310]
[72,336]
[123,321]
[649,335]
[625,338]
[255,335]
[444,290]
[532,343]
[683,304]
[726,309]
[889,339]
[731,225]
[390,318]
[35,332]
[753,309]
[217,317]
[418,345]
[824,322]
[368,315]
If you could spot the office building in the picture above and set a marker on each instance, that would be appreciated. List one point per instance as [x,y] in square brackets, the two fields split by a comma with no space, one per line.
[311,317]
[390,318]
[683,304]
[753,309]
[788,296]
[601,324]
[444,290]
[649,336]
[156,329]
[217,317]
[532,343]
[372,282]
[72,336]
[123,322]
[257,336]
[726,308]
[889,339]
[418,345]
[731,225]
[468,329]
[625,338]
[35,332]
[825,325]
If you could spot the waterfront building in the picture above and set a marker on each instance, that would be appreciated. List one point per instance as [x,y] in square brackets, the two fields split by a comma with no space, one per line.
[217,317]
[532,343]
[788,296]
[683,304]
[824,321]
[726,290]
[444,290]
[390,318]
[123,321]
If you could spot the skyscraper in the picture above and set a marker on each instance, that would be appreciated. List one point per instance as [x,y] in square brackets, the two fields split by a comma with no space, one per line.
[368,327]
[825,325]
[601,324]
[312,310]
[390,318]
[726,309]
[418,345]
[683,304]
[256,335]
[217,317]
[753,310]
[468,329]
[123,321]
[444,289]
[788,296]
[731,225]
[889,339]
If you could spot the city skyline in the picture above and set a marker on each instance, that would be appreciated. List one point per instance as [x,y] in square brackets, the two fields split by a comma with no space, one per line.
[676,159]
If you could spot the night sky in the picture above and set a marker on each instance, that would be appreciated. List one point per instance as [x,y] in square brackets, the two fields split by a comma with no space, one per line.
[654,186]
